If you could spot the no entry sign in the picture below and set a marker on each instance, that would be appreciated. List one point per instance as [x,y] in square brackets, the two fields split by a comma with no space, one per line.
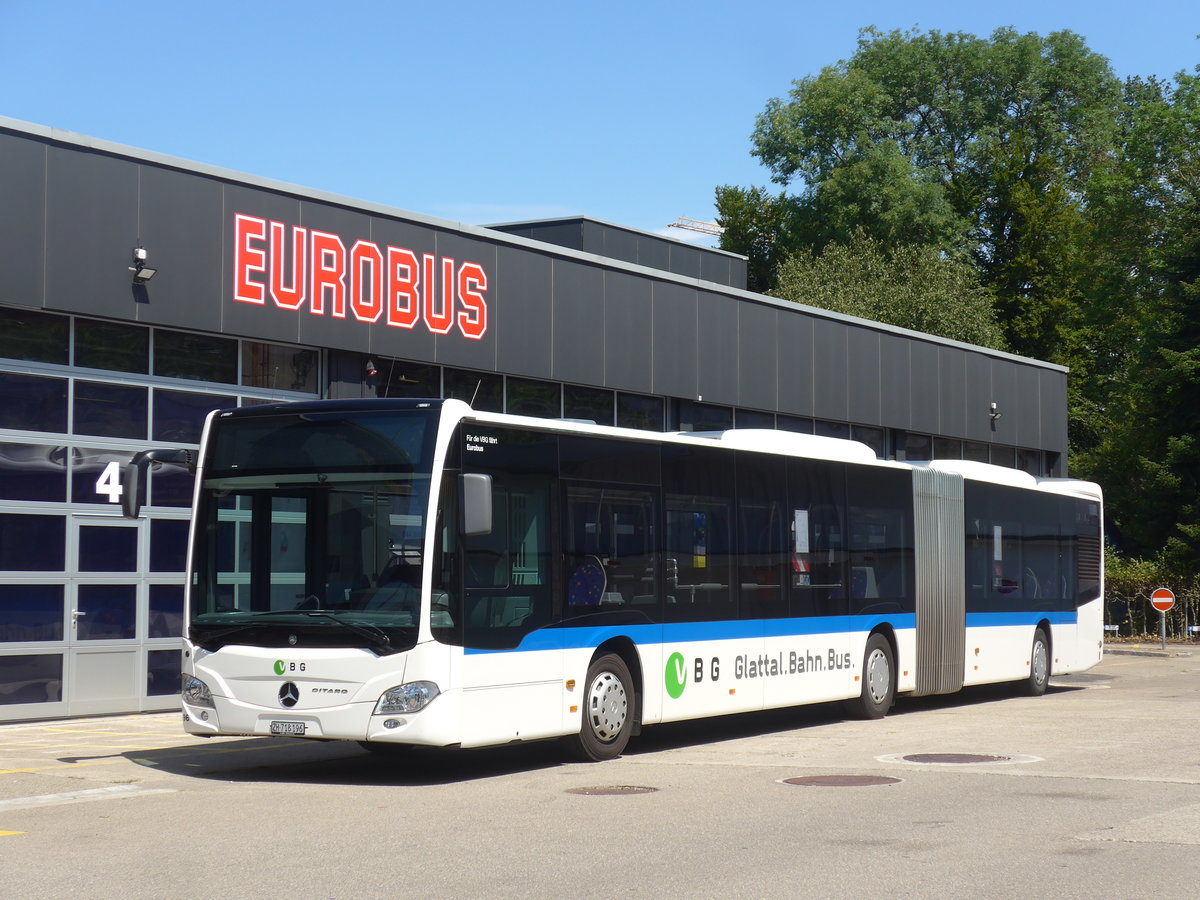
[1162,599]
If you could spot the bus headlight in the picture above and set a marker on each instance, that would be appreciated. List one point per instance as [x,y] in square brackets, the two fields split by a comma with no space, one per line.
[407,698]
[196,692]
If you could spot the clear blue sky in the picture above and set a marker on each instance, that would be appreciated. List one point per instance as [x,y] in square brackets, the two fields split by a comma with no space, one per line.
[488,112]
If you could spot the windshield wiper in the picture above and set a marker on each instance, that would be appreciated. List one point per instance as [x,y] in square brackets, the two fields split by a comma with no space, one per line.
[377,636]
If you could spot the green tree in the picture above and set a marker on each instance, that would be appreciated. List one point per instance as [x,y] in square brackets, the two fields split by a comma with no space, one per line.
[966,144]
[912,286]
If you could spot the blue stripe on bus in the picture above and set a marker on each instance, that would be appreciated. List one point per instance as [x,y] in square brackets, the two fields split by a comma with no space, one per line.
[568,638]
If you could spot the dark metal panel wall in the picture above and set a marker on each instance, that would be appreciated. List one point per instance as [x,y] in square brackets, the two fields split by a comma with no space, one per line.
[22,221]
[952,370]
[1027,429]
[628,333]
[924,385]
[716,351]
[184,245]
[979,395]
[830,368]
[895,368]
[264,322]
[758,355]
[91,228]
[416,343]
[1007,400]
[674,323]
[796,380]
[521,308]
[862,353]
[578,324]
[685,260]
[453,349]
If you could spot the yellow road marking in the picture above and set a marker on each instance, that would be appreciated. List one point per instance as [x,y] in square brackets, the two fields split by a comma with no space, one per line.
[98,762]
[10,833]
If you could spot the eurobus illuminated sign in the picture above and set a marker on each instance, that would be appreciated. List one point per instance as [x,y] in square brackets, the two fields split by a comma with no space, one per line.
[300,267]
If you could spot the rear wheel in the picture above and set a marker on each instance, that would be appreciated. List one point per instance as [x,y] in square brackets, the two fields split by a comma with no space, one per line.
[878,681]
[608,710]
[1039,665]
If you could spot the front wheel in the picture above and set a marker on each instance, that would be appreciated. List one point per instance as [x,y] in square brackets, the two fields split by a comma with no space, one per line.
[608,710]
[1039,665]
[878,681]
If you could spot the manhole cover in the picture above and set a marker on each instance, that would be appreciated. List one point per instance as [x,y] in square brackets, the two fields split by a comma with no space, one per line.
[841,780]
[955,758]
[612,790]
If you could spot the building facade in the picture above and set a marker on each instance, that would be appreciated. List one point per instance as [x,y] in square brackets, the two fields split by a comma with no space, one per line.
[138,292]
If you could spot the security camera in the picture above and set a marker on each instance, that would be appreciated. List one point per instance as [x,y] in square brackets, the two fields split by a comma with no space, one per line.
[139,253]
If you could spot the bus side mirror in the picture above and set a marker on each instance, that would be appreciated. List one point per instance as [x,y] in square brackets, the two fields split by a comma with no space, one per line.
[475,507]
[133,477]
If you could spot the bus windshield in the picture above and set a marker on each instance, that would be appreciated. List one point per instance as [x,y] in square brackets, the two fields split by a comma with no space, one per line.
[310,530]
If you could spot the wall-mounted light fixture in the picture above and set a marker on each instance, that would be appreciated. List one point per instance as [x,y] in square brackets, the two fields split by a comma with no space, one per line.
[141,272]
[994,414]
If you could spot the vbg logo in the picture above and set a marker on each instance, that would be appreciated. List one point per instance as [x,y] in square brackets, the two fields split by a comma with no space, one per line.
[280,667]
[676,675]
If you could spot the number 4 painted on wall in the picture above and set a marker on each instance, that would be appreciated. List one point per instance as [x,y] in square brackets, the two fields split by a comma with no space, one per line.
[109,482]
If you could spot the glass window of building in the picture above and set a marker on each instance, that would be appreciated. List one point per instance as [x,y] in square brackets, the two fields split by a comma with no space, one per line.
[798,424]
[872,437]
[34,336]
[196,357]
[947,448]
[399,378]
[831,429]
[31,612]
[33,403]
[528,397]
[590,404]
[105,548]
[752,418]
[110,410]
[277,367]
[33,472]
[975,451]
[32,678]
[166,611]
[1029,461]
[107,612]
[1004,456]
[641,412]
[704,416]
[917,447]
[162,672]
[32,543]
[484,391]
[179,415]
[168,545]
[111,345]
[95,474]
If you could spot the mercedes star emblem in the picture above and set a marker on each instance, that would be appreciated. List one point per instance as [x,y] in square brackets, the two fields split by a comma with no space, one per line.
[289,695]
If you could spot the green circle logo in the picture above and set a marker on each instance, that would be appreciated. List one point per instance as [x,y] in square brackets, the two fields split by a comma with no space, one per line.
[676,675]
[280,667]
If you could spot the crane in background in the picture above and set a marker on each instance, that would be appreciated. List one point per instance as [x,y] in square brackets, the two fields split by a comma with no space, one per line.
[695,225]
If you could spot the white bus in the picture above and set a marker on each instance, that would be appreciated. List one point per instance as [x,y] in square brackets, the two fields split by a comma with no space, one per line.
[401,572]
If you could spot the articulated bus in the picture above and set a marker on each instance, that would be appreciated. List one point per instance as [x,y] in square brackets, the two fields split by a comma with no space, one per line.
[404,572]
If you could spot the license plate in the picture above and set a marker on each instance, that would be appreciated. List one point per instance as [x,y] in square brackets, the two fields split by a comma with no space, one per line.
[293,728]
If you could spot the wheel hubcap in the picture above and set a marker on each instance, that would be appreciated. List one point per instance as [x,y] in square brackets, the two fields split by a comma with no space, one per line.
[608,706]
[879,679]
[1040,662]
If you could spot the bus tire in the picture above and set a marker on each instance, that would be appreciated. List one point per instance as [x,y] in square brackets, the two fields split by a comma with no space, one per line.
[608,710]
[1039,665]
[878,681]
